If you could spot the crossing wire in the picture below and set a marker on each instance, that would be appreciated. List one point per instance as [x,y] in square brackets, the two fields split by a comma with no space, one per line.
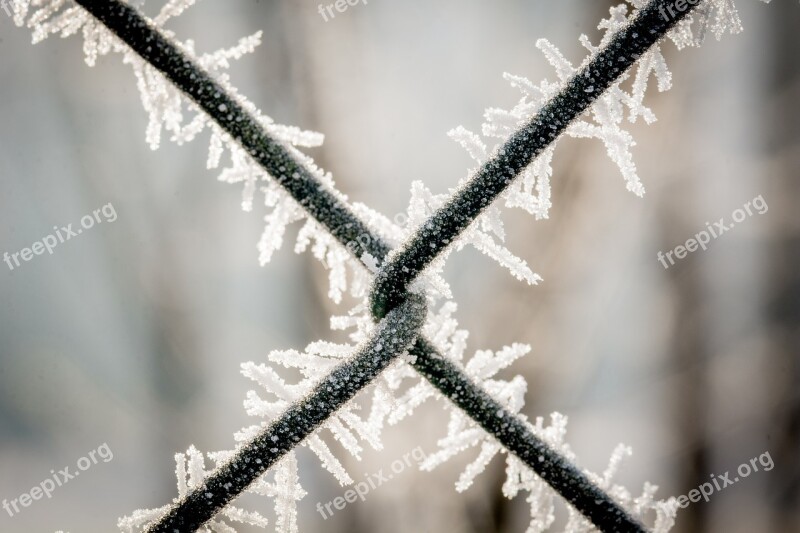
[400,314]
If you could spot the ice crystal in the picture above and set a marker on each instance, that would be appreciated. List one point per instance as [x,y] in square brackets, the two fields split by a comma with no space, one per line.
[191,471]
[346,426]
[464,434]
[172,112]
[603,120]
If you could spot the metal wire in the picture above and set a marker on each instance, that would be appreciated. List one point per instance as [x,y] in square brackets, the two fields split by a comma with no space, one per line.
[389,298]
[392,337]
[442,229]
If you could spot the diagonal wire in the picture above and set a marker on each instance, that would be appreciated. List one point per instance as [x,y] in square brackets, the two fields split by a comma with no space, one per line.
[523,146]
[392,337]
[390,288]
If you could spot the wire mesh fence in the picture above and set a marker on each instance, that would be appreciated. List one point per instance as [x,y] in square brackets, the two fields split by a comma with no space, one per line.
[397,309]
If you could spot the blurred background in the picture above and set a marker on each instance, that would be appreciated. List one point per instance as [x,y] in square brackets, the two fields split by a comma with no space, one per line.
[132,333]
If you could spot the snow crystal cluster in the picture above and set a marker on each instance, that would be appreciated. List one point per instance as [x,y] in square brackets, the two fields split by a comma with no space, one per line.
[400,390]
[531,190]
[191,471]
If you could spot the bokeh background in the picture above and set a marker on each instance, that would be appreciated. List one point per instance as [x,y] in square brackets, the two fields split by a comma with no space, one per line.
[132,334]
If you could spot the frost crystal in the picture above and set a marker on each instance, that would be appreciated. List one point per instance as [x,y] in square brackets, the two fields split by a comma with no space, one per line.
[463,434]
[346,426]
[170,111]
[603,120]
[190,471]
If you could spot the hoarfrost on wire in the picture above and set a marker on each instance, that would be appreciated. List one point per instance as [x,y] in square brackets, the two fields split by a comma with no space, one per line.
[190,470]
[354,425]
